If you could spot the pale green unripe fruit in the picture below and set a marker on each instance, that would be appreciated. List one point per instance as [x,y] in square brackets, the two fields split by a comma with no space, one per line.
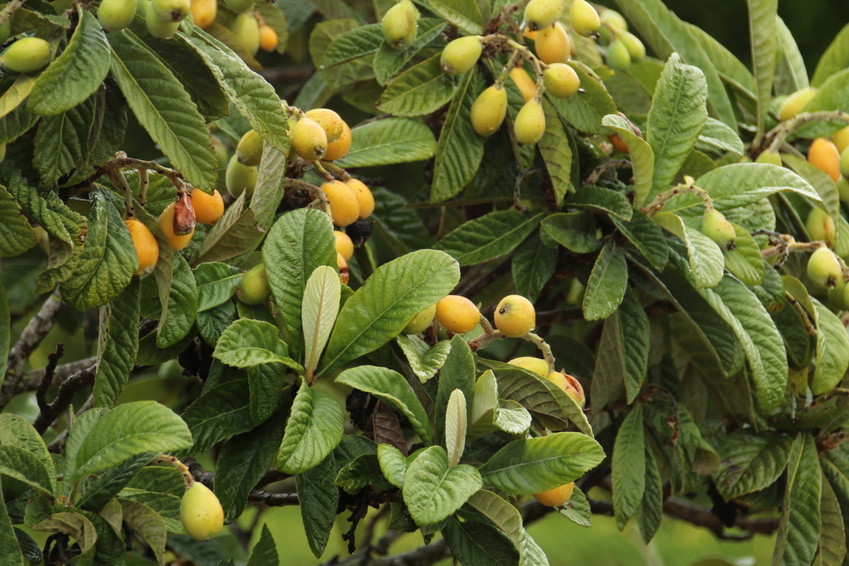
[618,57]
[461,54]
[561,80]
[240,178]
[540,14]
[421,321]
[489,109]
[115,15]
[769,156]
[533,365]
[718,229]
[239,5]
[635,47]
[837,295]
[249,149]
[399,24]
[844,162]
[27,55]
[173,10]
[220,151]
[614,19]
[246,29]
[159,28]
[201,512]
[530,123]
[824,268]
[585,20]
[843,190]
[821,227]
[254,288]
[795,102]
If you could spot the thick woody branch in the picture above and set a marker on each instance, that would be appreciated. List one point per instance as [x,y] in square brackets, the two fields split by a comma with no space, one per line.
[34,333]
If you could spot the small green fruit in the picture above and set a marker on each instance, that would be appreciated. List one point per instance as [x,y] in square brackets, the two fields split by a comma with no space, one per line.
[27,55]
[618,57]
[246,29]
[115,15]
[489,109]
[201,512]
[173,10]
[824,268]
[718,229]
[769,156]
[614,19]
[837,295]
[249,150]
[254,288]
[795,103]
[561,80]
[159,28]
[843,190]
[821,227]
[399,24]
[585,20]
[530,123]
[460,55]
[635,47]
[540,14]
[421,321]
[844,162]
[240,178]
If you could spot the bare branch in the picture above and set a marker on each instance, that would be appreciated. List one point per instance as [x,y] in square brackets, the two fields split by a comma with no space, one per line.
[34,333]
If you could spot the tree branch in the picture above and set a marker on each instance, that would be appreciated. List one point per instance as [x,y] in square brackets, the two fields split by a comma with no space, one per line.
[64,397]
[33,334]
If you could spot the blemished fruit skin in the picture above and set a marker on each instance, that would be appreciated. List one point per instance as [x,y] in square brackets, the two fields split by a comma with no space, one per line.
[718,229]
[821,227]
[515,316]
[344,244]
[795,102]
[166,224]
[268,39]
[240,178]
[309,139]
[585,20]
[239,6]
[844,162]
[421,321]
[208,208]
[204,12]
[618,57]
[540,14]
[339,148]
[330,121]
[824,268]
[526,85]
[254,288]
[147,249]
[823,155]
[344,204]
[156,26]
[460,55]
[571,386]
[552,45]
[635,47]
[27,55]
[841,139]
[249,149]
[399,24]
[557,496]
[115,15]
[561,80]
[529,126]
[364,196]
[342,264]
[457,314]
[769,156]
[174,10]
[246,29]
[201,512]
[532,364]
[489,109]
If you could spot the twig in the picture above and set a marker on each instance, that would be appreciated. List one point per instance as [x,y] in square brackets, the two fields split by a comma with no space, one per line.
[599,171]
[47,379]
[64,397]
[39,326]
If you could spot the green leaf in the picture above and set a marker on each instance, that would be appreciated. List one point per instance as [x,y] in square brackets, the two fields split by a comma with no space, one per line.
[629,466]
[465,14]
[318,497]
[533,265]
[458,372]
[607,283]
[12,555]
[420,90]
[500,513]
[745,260]
[320,309]
[76,73]
[460,149]
[107,485]
[646,236]
[388,60]
[832,545]
[163,108]
[127,430]
[16,94]
[820,180]
[265,382]
[222,411]
[160,488]
[71,523]
[180,309]
[247,343]
[642,156]
[108,259]
[146,523]
[17,431]
[298,243]
[650,511]
[706,260]
[392,464]
[383,306]
[433,490]
[799,529]
[16,234]
[676,119]
[577,509]
[540,464]
[575,231]
[488,237]
[5,332]
[314,429]
[790,71]
[585,112]
[598,199]
[762,25]
[424,361]
[717,137]
[835,58]
[832,351]
[352,44]
[264,552]
[750,462]
[476,543]
[117,345]
[216,283]
[389,141]
[455,427]
[354,69]
[391,388]
[62,142]
[212,323]
[626,339]
[20,464]
[556,153]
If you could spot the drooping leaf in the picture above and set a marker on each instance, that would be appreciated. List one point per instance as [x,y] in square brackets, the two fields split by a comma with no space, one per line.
[799,529]
[629,466]
[318,497]
[607,283]
[118,344]
[642,156]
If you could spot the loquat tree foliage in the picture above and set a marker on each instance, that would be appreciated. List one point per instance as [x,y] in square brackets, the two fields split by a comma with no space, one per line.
[556,258]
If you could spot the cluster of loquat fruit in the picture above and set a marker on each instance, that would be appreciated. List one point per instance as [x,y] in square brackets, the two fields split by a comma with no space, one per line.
[248,25]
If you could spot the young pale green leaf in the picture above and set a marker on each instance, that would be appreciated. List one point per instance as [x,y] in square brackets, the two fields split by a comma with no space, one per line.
[646,236]
[750,462]
[745,260]
[629,466]
[76,73]
[420,90]
[264,552]
[313,430]
[577,509]
[319,499]
[717,137]
[832,545]
[706,260]
[488,237]
[533,265]
[180,309]
[598,199]
[117,345]
[146,523]
[484,404]
[832,351]
[626,339]
[455,427]
[433,490]
[16,234]
[107,261]
[16,93]
[764,39]
[247,343]
[575,231]
[388,60]
[222,411]
[61,144]
[835,58]
[585,112]
[391,388]
[424,361]
[458,372]
[642,156]
[607,283]
[465,14]
[24,466]
[392,464]
[800,526]
[381,308]
[163,108]
[460,149]
[676,119]
[74,524]
[540,464]
[298,243]
[216,283]
[319,311]
[389,141]
[500,513]
[556,153]
[649,513]
[477,543]
[511,417]
[8,540]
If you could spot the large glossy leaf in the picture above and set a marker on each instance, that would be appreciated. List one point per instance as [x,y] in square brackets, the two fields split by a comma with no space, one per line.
[835,58]
[465,14]
[320,308]
[247,343]
[626,341]
[832,350]
[706,260]
[180,308]
[8,541]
